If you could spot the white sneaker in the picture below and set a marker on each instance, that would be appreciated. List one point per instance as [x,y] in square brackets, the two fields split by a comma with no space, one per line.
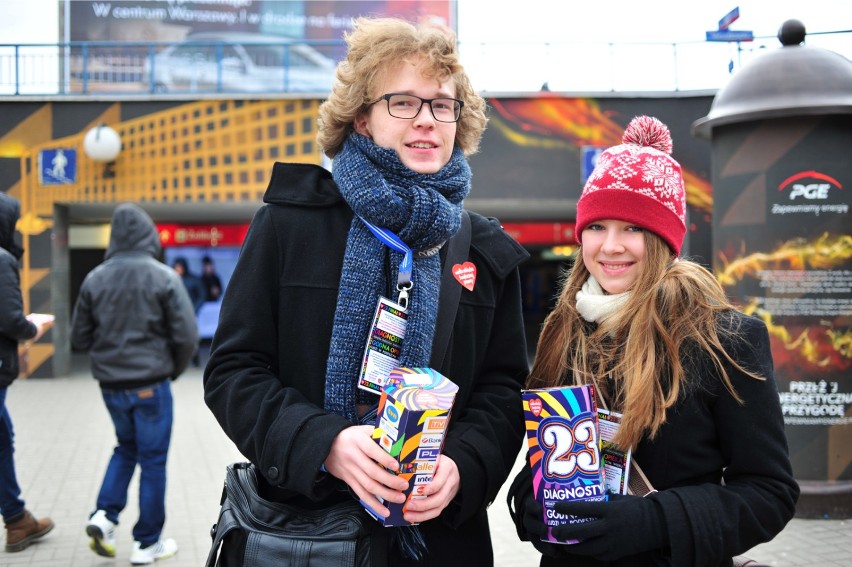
[102,531]
[163,549]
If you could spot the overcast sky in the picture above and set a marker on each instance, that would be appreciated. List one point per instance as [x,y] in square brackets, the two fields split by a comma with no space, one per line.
[635,20]
[506,64]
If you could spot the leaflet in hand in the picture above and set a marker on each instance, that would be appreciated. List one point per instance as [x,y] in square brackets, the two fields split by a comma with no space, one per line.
[616,462]
[39,319]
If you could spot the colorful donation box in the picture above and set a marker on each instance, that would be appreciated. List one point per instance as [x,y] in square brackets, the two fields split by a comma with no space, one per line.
[564,450]
[412,417]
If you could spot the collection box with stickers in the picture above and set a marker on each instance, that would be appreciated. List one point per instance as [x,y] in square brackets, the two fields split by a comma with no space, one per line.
[563,442]
[412,418]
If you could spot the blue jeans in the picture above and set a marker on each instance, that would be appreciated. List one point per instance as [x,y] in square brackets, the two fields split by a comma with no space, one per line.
[11,504]
[143,426]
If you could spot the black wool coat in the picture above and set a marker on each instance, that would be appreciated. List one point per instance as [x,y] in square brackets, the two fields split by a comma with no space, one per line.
[265,380]
[722,469]
[14,326]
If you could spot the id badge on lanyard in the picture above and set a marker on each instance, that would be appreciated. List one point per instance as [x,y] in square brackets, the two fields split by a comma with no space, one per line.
[387,331]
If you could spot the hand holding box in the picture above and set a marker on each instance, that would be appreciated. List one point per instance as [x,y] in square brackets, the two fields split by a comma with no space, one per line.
[564,450]
[412,418]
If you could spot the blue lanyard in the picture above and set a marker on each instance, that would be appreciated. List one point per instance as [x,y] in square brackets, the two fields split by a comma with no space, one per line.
[391,240]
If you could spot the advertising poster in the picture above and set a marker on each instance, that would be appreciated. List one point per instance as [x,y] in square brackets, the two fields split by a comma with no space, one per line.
[174,20]
[781,231]
[190,46]
[544,146]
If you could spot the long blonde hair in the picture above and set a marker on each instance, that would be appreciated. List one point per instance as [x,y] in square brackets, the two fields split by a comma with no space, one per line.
[374,46]
[673,305]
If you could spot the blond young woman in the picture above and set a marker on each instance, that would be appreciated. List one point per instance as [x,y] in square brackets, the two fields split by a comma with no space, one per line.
[691,375]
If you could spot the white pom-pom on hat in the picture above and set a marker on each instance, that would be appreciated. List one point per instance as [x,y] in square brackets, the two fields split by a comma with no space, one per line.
[648,131]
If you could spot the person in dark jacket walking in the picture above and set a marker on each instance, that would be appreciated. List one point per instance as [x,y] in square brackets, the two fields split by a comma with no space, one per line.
[691,376]
[134,318]
[22,528]
[295,318]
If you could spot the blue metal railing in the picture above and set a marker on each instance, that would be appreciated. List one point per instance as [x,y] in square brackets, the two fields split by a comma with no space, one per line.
[252,66]
[88,68]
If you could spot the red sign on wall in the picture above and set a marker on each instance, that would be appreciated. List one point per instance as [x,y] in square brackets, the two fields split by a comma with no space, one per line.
[526,233]
[202,234]
[541,233]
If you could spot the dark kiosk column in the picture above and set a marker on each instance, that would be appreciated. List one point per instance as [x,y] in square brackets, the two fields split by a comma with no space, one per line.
[781,136]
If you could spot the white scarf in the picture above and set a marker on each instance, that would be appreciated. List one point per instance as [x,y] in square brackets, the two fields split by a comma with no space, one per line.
[594,304]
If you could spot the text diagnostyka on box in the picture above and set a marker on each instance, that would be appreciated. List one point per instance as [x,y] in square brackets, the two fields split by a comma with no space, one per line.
[564,449]
[412,418]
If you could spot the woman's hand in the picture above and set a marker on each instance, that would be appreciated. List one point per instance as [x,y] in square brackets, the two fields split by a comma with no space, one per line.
[439,493]
[358,461]
[534,528]
[611,530]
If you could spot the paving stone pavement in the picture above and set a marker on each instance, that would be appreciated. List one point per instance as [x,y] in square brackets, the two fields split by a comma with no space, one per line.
[64,438]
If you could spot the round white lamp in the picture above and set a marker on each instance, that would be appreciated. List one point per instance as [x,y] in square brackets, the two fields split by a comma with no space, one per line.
[102,143]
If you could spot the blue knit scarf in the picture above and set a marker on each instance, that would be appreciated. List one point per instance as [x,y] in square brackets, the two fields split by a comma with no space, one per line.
[424,211]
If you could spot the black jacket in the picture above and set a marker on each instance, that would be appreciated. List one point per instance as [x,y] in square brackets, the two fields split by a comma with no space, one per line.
[722,469]
[265,380]
[133,314]
[14,325]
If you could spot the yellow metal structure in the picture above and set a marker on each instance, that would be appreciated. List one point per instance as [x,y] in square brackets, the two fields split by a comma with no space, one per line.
[209,151]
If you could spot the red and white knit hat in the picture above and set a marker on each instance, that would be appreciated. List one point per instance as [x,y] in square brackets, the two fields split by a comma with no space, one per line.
[638,182]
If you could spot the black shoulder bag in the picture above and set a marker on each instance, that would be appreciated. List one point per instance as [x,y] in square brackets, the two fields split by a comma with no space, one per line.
[261,533]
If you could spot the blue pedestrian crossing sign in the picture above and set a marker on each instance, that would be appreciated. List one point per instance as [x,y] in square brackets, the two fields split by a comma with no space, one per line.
[57,166]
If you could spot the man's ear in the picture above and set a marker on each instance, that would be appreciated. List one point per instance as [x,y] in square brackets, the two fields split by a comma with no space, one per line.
[360,125]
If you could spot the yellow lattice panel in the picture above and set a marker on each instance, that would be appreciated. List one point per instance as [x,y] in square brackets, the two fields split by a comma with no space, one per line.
[205,151]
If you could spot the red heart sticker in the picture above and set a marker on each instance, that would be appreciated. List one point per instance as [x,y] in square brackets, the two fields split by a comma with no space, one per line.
[535,406]
[465,274]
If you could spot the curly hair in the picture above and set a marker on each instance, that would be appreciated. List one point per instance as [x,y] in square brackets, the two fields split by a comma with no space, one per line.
[374,45]
[673,308]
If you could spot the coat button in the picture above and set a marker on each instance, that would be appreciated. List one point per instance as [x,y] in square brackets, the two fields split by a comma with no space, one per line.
[272,472]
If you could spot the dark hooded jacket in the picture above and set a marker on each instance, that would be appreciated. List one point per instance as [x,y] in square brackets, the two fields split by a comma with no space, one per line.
[14,325]
[133,314]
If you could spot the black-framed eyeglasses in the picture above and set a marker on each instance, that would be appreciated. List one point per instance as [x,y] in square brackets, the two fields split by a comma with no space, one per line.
[408,106]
